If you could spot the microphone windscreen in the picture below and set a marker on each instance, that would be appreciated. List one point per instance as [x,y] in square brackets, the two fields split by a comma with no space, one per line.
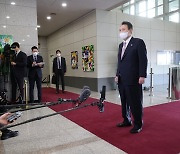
[103,92]
[84,95]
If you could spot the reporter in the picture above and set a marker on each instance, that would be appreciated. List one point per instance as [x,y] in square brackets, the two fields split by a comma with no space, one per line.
[3,118]
[6,133]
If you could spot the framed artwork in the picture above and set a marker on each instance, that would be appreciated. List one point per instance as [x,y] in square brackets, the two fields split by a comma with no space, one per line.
[5,54]
[88,58]
[74,59]
[5,39]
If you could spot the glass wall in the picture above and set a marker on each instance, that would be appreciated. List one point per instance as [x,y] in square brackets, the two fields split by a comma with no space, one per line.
[160,9]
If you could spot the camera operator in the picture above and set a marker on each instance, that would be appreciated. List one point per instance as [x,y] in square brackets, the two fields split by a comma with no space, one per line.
[18,71]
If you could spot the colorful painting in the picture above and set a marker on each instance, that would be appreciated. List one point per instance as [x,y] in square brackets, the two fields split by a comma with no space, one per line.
[74,59]
[5,42]
[5,39]
[88,58]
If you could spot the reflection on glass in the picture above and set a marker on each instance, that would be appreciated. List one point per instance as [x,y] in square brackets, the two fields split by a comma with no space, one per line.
[142,6]
[151,13]
[160,10]
[174,5]
[151,4]
[160,2]
[168,57]
[174,17]
[132,10]
[126,10]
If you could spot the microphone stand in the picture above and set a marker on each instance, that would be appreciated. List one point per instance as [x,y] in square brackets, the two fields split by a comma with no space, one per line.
[60,101]
[49,115]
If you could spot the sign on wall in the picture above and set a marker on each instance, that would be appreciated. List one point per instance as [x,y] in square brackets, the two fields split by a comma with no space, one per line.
[88,58]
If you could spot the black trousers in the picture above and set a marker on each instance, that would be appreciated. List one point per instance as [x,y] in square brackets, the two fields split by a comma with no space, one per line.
[131,101]
[17,82]
[59,74]
[32,81]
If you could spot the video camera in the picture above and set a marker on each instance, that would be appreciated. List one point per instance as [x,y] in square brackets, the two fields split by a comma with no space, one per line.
[9,51]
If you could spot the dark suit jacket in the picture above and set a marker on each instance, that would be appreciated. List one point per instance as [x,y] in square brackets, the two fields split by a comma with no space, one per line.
[63,65]
[133,63]
[19,70]
[36,69]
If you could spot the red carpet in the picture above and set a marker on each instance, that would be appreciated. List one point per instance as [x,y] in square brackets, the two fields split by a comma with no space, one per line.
[160,133]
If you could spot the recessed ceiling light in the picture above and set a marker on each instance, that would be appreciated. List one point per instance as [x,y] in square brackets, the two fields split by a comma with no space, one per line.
[13,3]
[64,4]
[28,35]
[48,17]
[23,40]
[4,26]
[38,26]
[7,17]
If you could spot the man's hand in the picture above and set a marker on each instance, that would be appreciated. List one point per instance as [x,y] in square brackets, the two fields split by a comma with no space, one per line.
[13,63]
[34,64]
[116,79]
[40,64]
[3,118]
[141,80]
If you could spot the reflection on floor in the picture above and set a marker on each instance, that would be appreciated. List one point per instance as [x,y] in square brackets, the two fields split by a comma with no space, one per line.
[59,135]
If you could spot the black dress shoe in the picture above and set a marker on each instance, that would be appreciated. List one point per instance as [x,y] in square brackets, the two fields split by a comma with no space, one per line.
[8,134]
[124,124]
[135,129]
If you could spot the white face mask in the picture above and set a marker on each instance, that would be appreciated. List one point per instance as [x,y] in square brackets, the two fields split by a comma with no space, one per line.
[123,35]
[35,53]
[58,54]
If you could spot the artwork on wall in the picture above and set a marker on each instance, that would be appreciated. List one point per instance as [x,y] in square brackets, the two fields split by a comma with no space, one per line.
[5,39]
[74,59]
[5,42]
[88,58]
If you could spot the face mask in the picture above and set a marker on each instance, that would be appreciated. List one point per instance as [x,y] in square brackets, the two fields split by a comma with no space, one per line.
[58,54]
[123,35]
[35,53]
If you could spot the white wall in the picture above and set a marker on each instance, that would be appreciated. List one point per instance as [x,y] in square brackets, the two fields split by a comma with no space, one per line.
[157,34]
[43,51]
[22,22]
[101,28]
[73,37]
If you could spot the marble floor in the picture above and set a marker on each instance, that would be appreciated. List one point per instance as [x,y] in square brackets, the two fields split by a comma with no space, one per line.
[58,135]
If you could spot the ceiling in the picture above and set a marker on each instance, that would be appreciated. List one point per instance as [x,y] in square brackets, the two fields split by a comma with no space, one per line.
[74,10]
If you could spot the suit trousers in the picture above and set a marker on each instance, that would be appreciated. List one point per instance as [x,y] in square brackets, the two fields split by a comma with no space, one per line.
[32,81]
[131,101]
[59,74]
[17,82]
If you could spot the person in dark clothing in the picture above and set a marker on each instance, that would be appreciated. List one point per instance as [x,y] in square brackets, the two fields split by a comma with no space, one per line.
[35,65]
[59,69]
[18,72]
[131,74]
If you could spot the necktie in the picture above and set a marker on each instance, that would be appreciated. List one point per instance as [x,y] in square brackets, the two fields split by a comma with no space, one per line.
[35,58]
[59,63]
[123,49]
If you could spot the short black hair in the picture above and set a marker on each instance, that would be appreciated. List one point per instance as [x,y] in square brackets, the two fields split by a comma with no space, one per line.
[130,26]
[34,47]
[15,44]
[58,51]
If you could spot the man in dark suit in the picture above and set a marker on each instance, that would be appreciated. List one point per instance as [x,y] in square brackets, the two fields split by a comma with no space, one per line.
[35,63]
[18,71]
[59,69]
[131,74]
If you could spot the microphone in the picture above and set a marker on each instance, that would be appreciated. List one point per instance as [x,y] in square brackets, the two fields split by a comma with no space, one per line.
[84,95]
[102,98]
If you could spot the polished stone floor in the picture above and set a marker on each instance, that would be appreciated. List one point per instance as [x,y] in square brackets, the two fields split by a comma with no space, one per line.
[58,135]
